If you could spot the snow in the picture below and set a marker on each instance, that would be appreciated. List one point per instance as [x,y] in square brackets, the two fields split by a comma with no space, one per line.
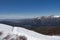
[56,16]
[31,35]
[27,33]
[5,29]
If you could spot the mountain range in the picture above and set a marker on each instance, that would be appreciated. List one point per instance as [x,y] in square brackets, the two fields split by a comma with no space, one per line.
[39,24]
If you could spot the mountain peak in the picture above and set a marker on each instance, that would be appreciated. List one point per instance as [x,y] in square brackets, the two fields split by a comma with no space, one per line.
[56,16]
[52,16]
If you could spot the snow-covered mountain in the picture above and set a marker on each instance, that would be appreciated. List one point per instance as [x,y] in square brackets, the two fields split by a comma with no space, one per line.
[31,35]
[52,16]
[57,16]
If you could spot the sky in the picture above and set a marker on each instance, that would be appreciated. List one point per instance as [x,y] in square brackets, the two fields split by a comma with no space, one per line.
[12,9]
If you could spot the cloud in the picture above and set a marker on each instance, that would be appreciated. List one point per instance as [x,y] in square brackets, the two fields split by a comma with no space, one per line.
[15,16]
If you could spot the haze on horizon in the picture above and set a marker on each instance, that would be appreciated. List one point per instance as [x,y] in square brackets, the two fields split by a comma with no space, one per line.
[12,9]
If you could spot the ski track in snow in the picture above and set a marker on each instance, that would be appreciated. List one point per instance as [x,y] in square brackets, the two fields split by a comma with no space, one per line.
[31,35]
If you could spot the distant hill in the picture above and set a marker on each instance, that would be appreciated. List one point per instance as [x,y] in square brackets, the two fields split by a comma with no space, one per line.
[35,22]
[39,24]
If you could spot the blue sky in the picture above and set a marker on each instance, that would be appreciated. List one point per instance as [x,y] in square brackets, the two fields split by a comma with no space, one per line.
[28,8]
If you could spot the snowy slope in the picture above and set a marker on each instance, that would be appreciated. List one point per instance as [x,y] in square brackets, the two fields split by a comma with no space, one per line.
[5,29]
[31,35]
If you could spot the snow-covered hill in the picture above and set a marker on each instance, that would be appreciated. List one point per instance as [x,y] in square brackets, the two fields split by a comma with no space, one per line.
[31,35]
